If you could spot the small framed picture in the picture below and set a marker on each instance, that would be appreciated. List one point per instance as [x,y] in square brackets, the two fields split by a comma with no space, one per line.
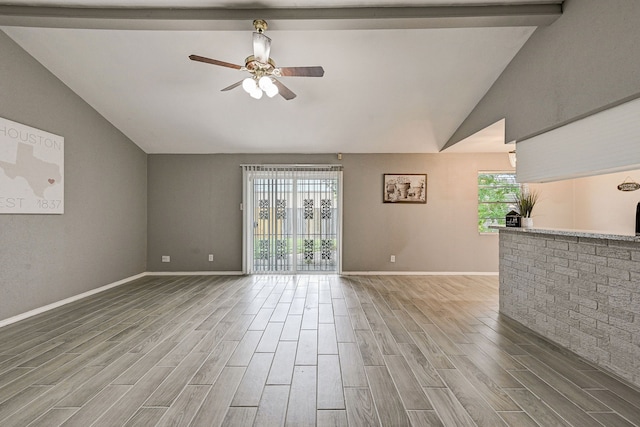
[404,188]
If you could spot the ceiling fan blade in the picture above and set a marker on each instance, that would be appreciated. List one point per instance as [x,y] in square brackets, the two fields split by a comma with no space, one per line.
[214,61]
[301,71]
[261,47]
[233,86]
[284,91]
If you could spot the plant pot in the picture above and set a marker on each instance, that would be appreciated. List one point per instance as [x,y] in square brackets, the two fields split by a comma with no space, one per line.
[527,222]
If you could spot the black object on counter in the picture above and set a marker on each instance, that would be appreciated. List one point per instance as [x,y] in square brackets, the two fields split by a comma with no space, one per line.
[513,218]
[638,220]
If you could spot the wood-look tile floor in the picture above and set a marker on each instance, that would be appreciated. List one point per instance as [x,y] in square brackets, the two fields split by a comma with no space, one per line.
[297,351]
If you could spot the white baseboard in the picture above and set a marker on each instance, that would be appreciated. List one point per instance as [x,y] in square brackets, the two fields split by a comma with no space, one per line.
[65,301]
[419,273]
[194,273]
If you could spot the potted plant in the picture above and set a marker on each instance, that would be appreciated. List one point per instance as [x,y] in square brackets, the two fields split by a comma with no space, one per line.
[525,201]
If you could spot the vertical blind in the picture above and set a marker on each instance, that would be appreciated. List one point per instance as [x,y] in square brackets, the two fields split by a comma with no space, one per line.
[292,218]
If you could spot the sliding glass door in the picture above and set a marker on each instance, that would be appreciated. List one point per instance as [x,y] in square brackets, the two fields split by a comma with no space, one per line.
[292,219]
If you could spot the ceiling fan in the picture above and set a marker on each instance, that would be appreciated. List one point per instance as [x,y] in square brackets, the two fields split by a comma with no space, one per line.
[263,69]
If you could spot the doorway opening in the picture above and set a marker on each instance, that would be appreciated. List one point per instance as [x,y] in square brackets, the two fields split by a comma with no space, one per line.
[292,219]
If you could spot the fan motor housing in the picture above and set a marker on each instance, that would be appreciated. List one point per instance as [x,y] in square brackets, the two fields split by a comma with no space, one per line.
[254,66]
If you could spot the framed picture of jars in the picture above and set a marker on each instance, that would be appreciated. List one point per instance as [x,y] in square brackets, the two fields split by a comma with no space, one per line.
[404,188]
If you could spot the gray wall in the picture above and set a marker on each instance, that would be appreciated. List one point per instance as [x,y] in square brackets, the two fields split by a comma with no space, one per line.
[194,210]
[441,236]
[101,238]
[584,62]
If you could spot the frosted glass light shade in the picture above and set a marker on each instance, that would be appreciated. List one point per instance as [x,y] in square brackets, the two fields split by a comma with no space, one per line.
[256,93]
[249,85]
[265,82]
[271,91]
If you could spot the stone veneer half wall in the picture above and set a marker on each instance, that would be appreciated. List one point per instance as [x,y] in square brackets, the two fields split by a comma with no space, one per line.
[579,290]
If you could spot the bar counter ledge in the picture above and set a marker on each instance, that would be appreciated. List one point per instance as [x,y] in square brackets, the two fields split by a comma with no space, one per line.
[579,289]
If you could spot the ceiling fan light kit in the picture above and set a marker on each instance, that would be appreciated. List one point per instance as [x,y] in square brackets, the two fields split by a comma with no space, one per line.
[263,85]
[263,69]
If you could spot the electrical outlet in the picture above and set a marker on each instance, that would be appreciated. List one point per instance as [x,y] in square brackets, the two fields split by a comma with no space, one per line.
[210,257]
[166,258]
[393,258]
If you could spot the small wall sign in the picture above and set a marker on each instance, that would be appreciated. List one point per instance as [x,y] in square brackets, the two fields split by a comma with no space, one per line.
[629,186]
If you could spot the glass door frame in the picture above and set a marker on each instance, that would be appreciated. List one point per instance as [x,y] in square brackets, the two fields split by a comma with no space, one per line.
[248,209]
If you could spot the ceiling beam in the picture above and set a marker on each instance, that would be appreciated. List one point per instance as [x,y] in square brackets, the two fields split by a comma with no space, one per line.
[340,18]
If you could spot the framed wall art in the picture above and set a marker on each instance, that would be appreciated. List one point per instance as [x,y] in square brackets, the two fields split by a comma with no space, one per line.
[404,188]
[31,170]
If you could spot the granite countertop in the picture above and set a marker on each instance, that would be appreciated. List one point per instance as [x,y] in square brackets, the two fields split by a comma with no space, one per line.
[573,233]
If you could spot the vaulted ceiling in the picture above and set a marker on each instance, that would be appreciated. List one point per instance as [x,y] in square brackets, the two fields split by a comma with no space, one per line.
[398,79]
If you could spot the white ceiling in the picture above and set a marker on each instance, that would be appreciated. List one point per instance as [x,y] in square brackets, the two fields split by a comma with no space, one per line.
[384,91]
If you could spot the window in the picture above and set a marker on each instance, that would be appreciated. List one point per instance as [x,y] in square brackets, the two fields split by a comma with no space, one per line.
[496,194]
